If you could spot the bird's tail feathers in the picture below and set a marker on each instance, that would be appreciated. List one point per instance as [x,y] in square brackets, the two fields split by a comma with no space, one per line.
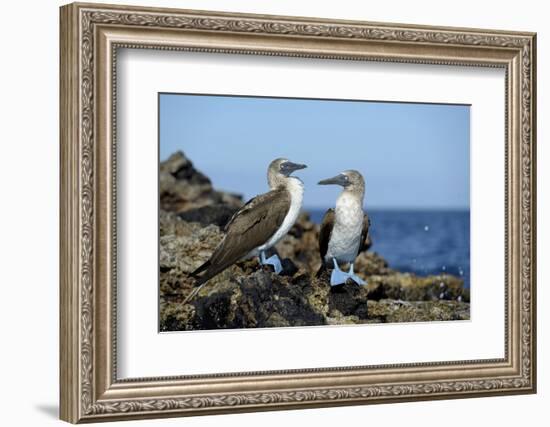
[201,269]
[200,281]
[192,294]
[211,271]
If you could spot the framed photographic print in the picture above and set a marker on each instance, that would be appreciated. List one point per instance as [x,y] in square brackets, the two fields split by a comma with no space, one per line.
[418,268]
[266,212]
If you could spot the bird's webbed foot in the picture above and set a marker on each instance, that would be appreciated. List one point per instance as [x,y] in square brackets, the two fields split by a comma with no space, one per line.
[273,260]
[354,277]
[337,277]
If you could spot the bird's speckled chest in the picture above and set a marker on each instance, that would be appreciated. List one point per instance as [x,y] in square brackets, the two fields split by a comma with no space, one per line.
[345,238]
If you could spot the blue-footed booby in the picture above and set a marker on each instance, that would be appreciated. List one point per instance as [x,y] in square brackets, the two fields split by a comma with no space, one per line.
[344,230]
[259,224]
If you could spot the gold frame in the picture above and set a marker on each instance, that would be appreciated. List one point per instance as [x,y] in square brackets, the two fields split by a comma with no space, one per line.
[90,36]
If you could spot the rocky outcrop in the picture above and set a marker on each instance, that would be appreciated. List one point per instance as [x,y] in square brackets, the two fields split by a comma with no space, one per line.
[183,188]
[248,295]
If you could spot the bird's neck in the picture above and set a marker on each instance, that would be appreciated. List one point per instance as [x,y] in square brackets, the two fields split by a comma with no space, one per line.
[295,187]
[287,182]
[349,199]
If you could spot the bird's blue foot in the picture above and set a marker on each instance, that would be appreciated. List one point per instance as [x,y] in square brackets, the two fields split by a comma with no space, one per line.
[357,279]
[339,277]
[354,277]
[273,260]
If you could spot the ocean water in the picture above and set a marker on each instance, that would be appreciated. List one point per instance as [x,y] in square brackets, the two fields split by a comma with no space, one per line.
[423,242]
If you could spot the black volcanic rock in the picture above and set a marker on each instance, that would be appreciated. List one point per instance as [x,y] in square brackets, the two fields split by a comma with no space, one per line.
[218,214]
[182,187]
[260,300]
[350,299]
[182,169]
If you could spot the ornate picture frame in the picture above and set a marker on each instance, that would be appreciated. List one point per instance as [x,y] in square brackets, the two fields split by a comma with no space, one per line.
[90,37]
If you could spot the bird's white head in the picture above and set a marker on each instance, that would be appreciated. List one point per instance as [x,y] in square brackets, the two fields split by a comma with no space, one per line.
[279,171]
[351,180]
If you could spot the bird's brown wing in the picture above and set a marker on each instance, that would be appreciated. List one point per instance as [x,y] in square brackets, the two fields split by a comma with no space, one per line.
[250,227]
[366,241]
[324,233]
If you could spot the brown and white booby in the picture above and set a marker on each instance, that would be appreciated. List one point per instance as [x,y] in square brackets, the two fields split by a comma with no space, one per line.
[344,230]
[259,224]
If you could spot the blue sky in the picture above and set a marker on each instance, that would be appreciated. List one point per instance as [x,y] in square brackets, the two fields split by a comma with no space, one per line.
[411,155]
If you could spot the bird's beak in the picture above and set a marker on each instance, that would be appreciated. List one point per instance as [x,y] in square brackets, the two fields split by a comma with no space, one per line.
[336,180]
[288,167]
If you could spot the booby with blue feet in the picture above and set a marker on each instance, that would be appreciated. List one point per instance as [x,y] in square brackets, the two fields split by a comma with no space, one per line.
[259,225]
[345,229]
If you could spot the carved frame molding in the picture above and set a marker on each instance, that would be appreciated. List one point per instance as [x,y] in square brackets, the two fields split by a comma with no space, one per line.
[90,36]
